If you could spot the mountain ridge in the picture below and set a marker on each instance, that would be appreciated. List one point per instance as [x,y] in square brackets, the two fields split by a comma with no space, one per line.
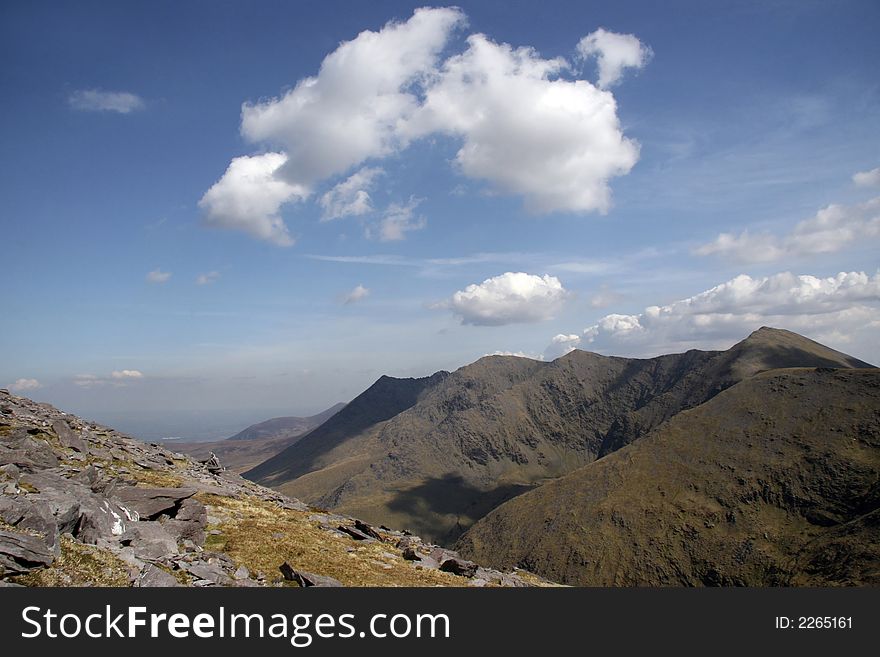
[502,425]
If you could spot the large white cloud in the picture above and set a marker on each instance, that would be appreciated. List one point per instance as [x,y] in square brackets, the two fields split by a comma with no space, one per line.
[249,196]
[352,110]
[97,100]
[614,53]
[510,298]
[351,197]
[831,229]
[526,130]
[840,310]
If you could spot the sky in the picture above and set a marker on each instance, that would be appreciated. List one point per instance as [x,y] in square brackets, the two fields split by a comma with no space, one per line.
[236,210]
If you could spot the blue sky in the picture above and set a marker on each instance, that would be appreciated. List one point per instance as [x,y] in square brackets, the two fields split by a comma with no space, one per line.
[684,174]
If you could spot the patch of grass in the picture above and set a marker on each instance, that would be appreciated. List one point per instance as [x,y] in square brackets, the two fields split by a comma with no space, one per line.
[262,536]
[79,565]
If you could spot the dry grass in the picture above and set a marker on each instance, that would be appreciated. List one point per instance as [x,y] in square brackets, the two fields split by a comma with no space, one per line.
[262,536]
[79,565]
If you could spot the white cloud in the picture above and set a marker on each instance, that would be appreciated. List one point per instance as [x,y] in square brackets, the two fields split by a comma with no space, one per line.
[510,298]
[831,229]
[351,197]
[867,178]
[614,53]
[126,374]
[248,198]
[208,278]
[22,385]
[96,100]
[352,110]
[87,380]
[526,130]
[357,294]
[158,276]
[561,344]
[517,354]
[840,309]
[397,220]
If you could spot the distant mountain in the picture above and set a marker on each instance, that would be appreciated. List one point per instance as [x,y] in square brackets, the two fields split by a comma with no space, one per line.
[258,442]
[502,425]
[772,482]
[283,427]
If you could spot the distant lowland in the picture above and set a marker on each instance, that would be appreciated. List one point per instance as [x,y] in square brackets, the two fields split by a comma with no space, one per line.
[754,466]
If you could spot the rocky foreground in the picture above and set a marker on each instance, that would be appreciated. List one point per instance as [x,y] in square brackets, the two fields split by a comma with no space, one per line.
[84,505]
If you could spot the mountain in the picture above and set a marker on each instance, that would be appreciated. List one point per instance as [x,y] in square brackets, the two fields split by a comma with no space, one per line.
[499,427]
[258,442]
[285,427]
[772,482]
[84,505]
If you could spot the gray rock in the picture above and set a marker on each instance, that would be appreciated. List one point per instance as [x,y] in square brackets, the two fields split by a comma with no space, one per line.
[241,573]
[356,534]
[189,523]
[35,515]
[153,576]
[457,566]
[68,437]
[149,540]
[21,553]
[305,579]
[152,502]
[213,573]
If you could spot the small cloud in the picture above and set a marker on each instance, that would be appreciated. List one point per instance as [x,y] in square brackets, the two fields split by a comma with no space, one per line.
[158,276]
[87,380]
[614,53]
[351,197]
[398,219]
[867,178]
[605,297]
[517,354]
[127,374]
[511,298]
[357,294]
[560,345]
[22,385]
[96,100]
[208,278]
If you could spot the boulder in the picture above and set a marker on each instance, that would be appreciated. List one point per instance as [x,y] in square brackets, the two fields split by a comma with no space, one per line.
[21,553]
[305,579]
[153,576]
[68,437]
[356,534]
[189,523]
[149,540]
[211,572]
[35,515]
[364,528]
[457,566]
[152,502]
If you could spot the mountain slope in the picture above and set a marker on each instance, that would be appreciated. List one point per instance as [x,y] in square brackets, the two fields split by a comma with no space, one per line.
[772,482]
[502,425]
[258,442]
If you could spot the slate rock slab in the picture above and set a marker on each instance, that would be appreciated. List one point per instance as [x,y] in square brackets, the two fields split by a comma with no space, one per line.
[151,502]
[21,553]
[306,579]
